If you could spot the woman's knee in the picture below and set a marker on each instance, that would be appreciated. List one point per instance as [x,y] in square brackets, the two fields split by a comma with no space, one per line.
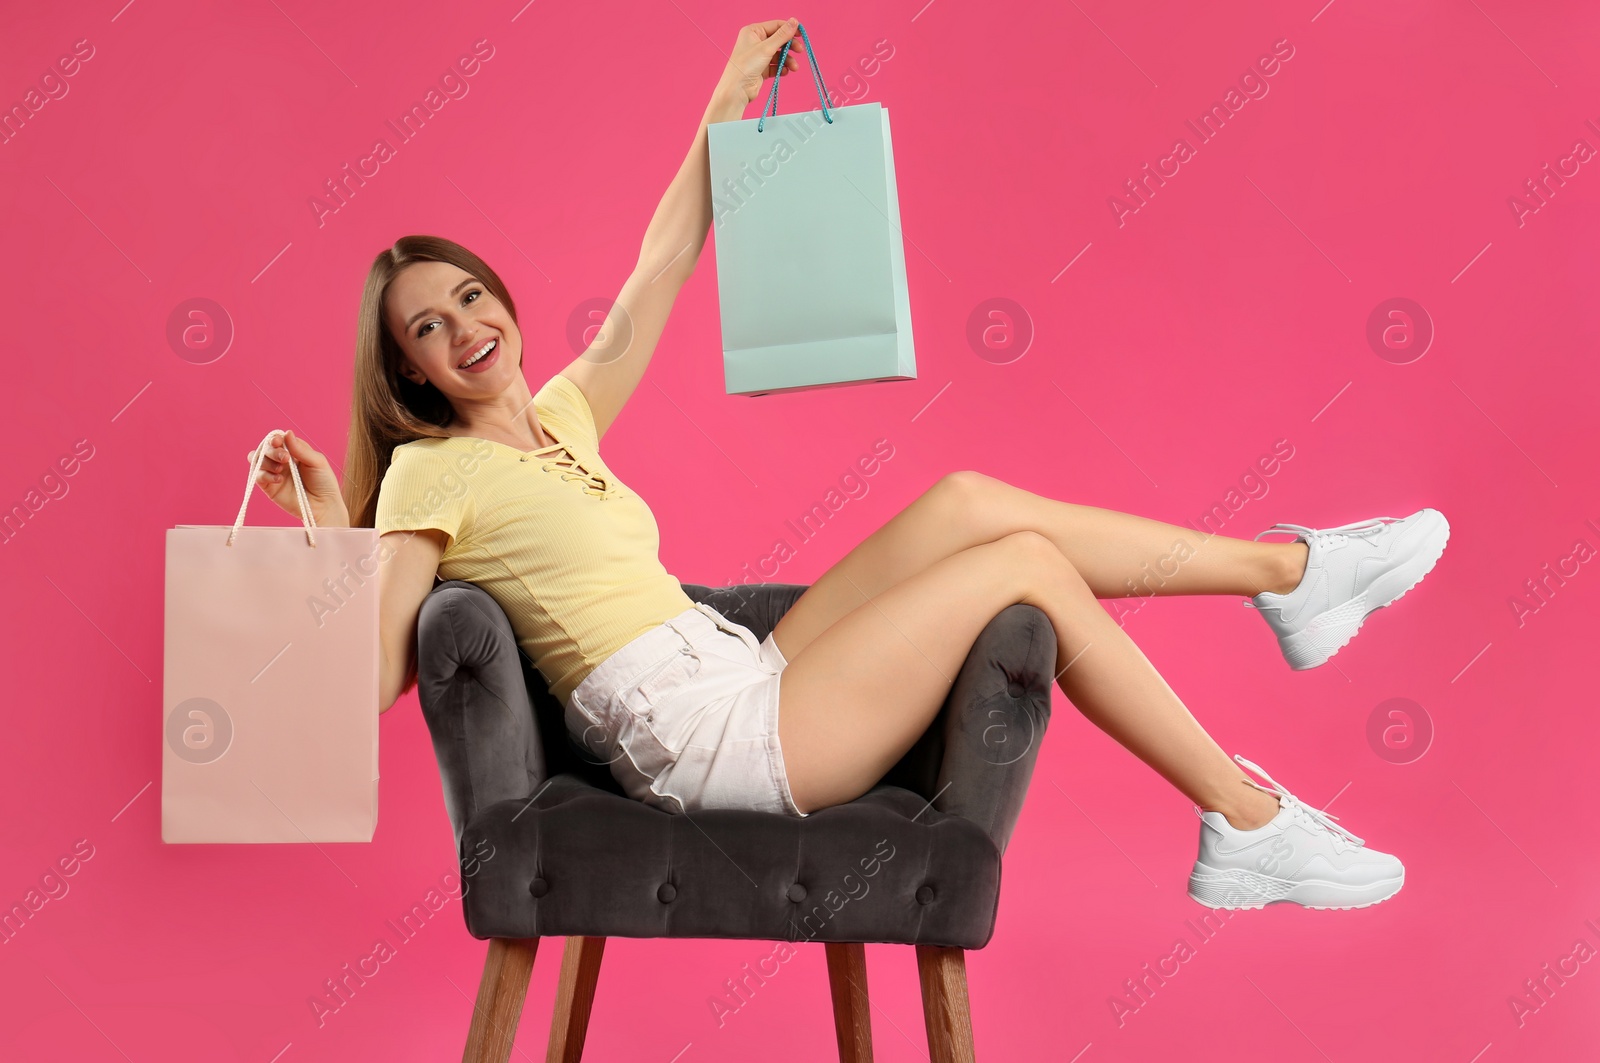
[1033,546]
[957,491]
[966,500]
[1039,561]
[966,485]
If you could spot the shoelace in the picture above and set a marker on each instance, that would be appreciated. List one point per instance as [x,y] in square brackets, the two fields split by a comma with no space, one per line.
[1335,534]
[1331,536]
[1313,818]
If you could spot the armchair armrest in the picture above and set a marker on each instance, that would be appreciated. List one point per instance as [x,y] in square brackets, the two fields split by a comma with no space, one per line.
[473,685]
[994,721]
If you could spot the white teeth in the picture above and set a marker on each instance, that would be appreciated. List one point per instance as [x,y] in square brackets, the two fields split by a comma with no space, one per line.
[481,354]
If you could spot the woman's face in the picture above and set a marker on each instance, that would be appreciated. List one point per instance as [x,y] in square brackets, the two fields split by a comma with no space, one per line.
[442,316]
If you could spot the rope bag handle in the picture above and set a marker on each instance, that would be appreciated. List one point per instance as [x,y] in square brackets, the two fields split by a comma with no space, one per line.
[816,76]
[306,517]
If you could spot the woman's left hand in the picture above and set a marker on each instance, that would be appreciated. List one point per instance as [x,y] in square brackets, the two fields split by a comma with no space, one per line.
[755,56]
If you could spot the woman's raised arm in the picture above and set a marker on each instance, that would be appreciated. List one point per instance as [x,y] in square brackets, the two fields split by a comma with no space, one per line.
[609,371]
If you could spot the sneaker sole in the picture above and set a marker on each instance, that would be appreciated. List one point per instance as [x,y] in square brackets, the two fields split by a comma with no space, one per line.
[1328,633]
[1238,889]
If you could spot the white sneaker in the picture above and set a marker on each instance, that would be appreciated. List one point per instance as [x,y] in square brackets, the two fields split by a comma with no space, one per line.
[1300,857]
[1351,571]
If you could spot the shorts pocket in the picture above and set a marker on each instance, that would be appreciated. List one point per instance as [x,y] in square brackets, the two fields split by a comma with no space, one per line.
[591,738]
[653,703]
[655,687]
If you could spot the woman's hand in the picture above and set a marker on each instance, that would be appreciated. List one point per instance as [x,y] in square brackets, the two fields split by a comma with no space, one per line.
[322,487]
[755,57]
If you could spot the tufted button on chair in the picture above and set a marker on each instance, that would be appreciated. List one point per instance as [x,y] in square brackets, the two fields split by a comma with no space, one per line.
[550,847]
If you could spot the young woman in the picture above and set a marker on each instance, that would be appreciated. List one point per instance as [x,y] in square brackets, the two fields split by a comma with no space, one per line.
[468,474]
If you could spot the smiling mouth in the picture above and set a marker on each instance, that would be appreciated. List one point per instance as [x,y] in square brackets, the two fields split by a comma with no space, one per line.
[487,349]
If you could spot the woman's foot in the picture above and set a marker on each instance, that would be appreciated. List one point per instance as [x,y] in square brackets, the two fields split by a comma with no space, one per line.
[1351,571]
[1300,857]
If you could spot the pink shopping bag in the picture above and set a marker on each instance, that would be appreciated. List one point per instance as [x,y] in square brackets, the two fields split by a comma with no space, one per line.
[270,697]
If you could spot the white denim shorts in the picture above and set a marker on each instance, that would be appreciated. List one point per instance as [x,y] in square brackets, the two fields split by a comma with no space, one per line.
[686,716]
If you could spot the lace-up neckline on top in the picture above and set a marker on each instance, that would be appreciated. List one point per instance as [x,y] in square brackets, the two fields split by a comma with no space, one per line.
[560,458]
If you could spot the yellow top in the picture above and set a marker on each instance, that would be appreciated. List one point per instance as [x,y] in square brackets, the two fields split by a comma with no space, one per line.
[568,552]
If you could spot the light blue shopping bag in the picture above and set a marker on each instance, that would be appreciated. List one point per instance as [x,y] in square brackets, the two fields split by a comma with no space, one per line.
[811,265]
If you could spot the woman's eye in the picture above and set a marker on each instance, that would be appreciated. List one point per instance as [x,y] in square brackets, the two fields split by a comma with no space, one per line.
[423,331]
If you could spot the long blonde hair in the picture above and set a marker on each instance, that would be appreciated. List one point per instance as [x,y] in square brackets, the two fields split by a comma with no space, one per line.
[386,409]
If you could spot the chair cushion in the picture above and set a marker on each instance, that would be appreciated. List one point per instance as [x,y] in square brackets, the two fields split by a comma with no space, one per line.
[578,860]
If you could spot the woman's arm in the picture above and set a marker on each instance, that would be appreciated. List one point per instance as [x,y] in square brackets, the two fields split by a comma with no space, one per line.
[677,231]
[610,369]
[405,580]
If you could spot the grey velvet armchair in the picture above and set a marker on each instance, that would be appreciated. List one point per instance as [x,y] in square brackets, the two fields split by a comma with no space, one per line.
[550,847]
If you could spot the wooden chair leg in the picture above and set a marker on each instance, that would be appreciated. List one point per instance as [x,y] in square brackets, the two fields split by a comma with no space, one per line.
[944,1003]
[501,991]
[852,1018]
[580,969]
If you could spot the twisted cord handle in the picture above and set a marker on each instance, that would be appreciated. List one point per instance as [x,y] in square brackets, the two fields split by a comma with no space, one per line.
[306,516]
[816,76]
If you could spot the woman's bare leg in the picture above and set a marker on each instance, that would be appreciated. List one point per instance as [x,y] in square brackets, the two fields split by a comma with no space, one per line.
[863,691]
[1117,554]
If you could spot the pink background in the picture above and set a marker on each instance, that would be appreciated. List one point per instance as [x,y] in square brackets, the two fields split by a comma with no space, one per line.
[1227,313]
